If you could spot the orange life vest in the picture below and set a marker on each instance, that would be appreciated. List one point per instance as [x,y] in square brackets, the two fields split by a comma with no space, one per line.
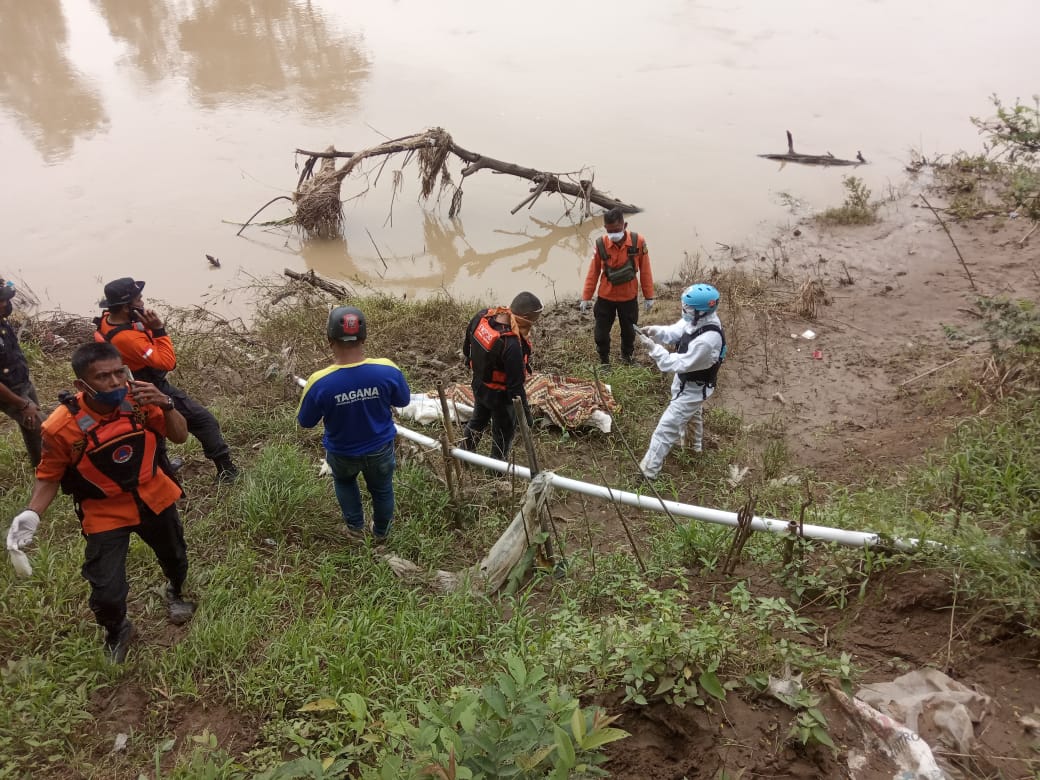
[485,360]
[118,455]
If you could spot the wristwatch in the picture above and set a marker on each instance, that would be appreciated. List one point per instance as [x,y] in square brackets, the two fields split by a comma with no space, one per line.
[167,405]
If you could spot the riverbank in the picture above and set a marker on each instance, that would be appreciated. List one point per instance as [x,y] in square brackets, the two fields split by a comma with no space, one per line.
[307,650]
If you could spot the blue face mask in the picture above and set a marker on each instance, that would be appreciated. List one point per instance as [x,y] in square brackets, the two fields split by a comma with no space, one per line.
[109,397]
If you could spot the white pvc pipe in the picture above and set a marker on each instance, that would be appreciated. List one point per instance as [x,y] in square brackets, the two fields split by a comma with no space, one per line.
[704,514]
[652,503]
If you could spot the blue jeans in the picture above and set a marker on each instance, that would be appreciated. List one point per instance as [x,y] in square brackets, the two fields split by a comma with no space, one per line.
[378,468]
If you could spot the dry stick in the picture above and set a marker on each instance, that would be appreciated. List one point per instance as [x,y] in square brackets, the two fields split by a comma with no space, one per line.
[1027,235]
[249,221]
[950,236]
[385,266]
[532,460]
[449,472]
[932,370]
[621,517]
[740,536]
[449,428]
[953,611]
[624,443]
[588,530]
[845,324]
[530,199]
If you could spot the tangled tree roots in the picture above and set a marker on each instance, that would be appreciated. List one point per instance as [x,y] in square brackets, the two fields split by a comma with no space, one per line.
[319,211]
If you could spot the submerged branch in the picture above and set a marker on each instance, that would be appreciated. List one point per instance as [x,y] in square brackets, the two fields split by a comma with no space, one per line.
[811,159]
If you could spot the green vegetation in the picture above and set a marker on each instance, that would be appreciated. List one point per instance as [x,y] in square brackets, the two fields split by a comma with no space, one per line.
[1005,179]
[309,658]
[857,208]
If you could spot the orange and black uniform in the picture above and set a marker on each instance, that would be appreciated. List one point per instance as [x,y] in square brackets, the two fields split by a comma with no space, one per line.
[149,355]
[110,466]
[500,361]
[618,300]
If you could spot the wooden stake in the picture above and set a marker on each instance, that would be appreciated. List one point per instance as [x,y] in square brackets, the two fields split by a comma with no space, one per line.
[532,462]
[449,429]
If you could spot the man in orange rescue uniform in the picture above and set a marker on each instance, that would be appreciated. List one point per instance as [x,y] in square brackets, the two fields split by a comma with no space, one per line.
[147,350]
[620,266]
[498,349]
[101,447]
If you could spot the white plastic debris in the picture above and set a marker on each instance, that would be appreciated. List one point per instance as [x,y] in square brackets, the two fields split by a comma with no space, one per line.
[120,743]
[808,335]
[20,561]
[736,474]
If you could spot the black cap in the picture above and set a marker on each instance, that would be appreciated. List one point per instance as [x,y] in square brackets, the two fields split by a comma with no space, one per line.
[120,292]
[347,323]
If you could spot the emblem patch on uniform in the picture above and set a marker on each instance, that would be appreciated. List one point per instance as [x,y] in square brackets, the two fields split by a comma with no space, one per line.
[123,454]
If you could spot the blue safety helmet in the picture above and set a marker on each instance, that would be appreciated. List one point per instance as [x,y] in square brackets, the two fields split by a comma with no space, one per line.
[701,298]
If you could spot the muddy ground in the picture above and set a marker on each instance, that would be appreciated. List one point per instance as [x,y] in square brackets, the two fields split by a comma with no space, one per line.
[859,409]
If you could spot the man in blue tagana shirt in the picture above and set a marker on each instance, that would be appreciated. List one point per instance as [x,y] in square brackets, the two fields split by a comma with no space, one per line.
[354,397]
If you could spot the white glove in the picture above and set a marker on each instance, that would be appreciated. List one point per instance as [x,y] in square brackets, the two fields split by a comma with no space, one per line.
[583,307]
[647,342]
[648,304]
[23,528]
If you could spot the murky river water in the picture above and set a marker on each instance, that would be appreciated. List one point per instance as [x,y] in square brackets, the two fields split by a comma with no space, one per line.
[132,129]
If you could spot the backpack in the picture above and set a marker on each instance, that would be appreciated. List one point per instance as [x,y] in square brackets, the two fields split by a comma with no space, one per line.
[622,273]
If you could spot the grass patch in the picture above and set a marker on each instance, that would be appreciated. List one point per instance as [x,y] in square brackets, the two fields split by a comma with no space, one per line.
[318,662]
[857,209]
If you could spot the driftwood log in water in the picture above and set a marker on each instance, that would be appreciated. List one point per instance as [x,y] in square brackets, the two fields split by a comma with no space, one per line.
[811,159]
[322,284]
[317,197]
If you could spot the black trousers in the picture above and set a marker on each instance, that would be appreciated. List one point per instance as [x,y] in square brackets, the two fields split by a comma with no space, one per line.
[604,312]
[33,442]
[502,417]
[201,422]
[104,564]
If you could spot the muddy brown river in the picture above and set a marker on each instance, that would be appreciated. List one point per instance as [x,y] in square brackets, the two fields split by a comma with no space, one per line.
[136,131]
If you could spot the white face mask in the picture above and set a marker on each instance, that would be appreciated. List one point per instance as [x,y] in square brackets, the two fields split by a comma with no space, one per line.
[617,238]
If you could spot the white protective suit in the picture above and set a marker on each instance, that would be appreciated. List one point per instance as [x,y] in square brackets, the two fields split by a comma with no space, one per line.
[703,352]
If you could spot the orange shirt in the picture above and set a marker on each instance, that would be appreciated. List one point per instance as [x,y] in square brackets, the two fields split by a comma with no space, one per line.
[140,347]
[62,443]
[617,255]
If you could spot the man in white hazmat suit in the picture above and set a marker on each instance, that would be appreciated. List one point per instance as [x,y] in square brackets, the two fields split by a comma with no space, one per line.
[700,348]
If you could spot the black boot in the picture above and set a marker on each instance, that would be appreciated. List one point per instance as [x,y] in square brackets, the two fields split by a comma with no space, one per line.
[179,609]
[227,471]
[118,641]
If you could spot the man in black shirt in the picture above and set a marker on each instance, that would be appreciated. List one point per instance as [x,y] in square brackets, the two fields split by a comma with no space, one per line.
[17,395]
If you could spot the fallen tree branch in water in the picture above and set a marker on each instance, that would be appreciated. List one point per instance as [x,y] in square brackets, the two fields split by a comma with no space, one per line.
[811,159]
[319,210]
[249,221]
[322,284]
